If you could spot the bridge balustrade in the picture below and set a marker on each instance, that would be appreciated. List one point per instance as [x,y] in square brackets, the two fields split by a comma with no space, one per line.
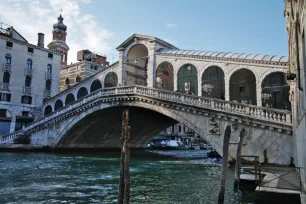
[256,112]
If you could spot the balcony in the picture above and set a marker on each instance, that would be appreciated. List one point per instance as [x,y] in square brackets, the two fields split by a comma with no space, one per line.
[48,76]
[47,93]
[4,87]
[7,67]
[27,90]
[28,72]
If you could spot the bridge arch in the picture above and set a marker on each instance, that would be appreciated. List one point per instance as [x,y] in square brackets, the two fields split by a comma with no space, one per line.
[213,82]
[110,80]
[82,92]
[58,104]
[69,99]
[243,86]
[165,74]
[172,118]
[136,65]
[48,110]
[187,79]
[275,91]
[95,85]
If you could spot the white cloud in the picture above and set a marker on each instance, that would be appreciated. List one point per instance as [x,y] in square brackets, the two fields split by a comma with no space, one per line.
[171,25]
[30,17]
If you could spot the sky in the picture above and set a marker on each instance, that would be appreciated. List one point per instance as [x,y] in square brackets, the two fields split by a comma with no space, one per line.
[241,26]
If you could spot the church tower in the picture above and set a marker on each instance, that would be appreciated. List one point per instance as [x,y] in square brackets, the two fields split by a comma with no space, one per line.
[59,39]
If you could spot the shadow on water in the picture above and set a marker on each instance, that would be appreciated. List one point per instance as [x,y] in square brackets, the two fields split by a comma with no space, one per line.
[93,177]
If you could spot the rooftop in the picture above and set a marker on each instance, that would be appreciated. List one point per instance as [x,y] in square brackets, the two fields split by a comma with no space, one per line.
[229,55]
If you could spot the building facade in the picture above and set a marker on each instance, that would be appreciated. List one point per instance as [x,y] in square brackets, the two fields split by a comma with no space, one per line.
[76,72]
[29,74]
[295,13]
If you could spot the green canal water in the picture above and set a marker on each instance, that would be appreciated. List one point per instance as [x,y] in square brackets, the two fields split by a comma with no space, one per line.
[93,178]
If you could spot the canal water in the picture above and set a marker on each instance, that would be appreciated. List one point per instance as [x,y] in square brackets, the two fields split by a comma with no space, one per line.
[189,177]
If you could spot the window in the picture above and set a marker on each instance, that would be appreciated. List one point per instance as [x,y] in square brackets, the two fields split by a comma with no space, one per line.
[31,50]
[9,44]
[49,69]
[50,55]
[67,83]
[48,85]
[5,97]
[28,81]
[29,64]
[6,77]
[8,59]
[26,99]
[78,79]
[180,128]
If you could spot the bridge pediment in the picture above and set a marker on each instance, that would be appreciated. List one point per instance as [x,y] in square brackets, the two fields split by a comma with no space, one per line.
[138,37]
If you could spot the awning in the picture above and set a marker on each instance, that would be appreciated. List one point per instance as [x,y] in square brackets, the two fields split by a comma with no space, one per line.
[161,137]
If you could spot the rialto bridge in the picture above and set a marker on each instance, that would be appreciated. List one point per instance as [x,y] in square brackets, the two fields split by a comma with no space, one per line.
[151,78]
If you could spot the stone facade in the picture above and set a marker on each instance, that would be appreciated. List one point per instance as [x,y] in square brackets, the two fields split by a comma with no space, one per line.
[295,13]
[24,75]
[77,72]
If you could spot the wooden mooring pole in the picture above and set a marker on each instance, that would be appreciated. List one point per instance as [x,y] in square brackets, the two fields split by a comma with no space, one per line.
[227,135]
[238,157]
[124,182]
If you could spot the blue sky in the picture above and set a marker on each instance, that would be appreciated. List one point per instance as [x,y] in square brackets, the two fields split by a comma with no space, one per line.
[242,26]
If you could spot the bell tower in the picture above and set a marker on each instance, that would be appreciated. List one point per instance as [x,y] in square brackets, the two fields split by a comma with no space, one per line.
[59,39]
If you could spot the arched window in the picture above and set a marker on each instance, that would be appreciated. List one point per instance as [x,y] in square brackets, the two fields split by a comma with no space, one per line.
[164,76]
[49,69]
[48,110]
[82,92]
[8,59]
[275,91]
[29,64]
[78,79]
[243,87]
[28,81]
[48,85]
[6,77]
[58,104]
[96,84]
[69,99]
[110,80]
[187,79]
[213,83]
[67,83]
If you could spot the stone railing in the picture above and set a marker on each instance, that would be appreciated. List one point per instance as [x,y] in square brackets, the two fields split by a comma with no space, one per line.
[7,67]
[28,72]
[273,115]
[278,117]
[4,87]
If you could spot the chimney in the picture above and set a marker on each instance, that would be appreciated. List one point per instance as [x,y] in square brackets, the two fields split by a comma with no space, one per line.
[41,40]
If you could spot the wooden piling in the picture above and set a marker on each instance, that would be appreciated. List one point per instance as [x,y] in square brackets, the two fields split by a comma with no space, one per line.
[124,197]
[227,135]
[238,157]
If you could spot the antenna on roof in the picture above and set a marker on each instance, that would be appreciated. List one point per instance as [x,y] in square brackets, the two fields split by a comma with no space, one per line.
[61,11]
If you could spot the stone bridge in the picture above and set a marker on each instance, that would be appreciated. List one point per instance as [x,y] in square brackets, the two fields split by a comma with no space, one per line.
[95,121]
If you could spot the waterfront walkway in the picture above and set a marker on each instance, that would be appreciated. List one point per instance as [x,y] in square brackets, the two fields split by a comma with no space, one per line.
[278,184]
